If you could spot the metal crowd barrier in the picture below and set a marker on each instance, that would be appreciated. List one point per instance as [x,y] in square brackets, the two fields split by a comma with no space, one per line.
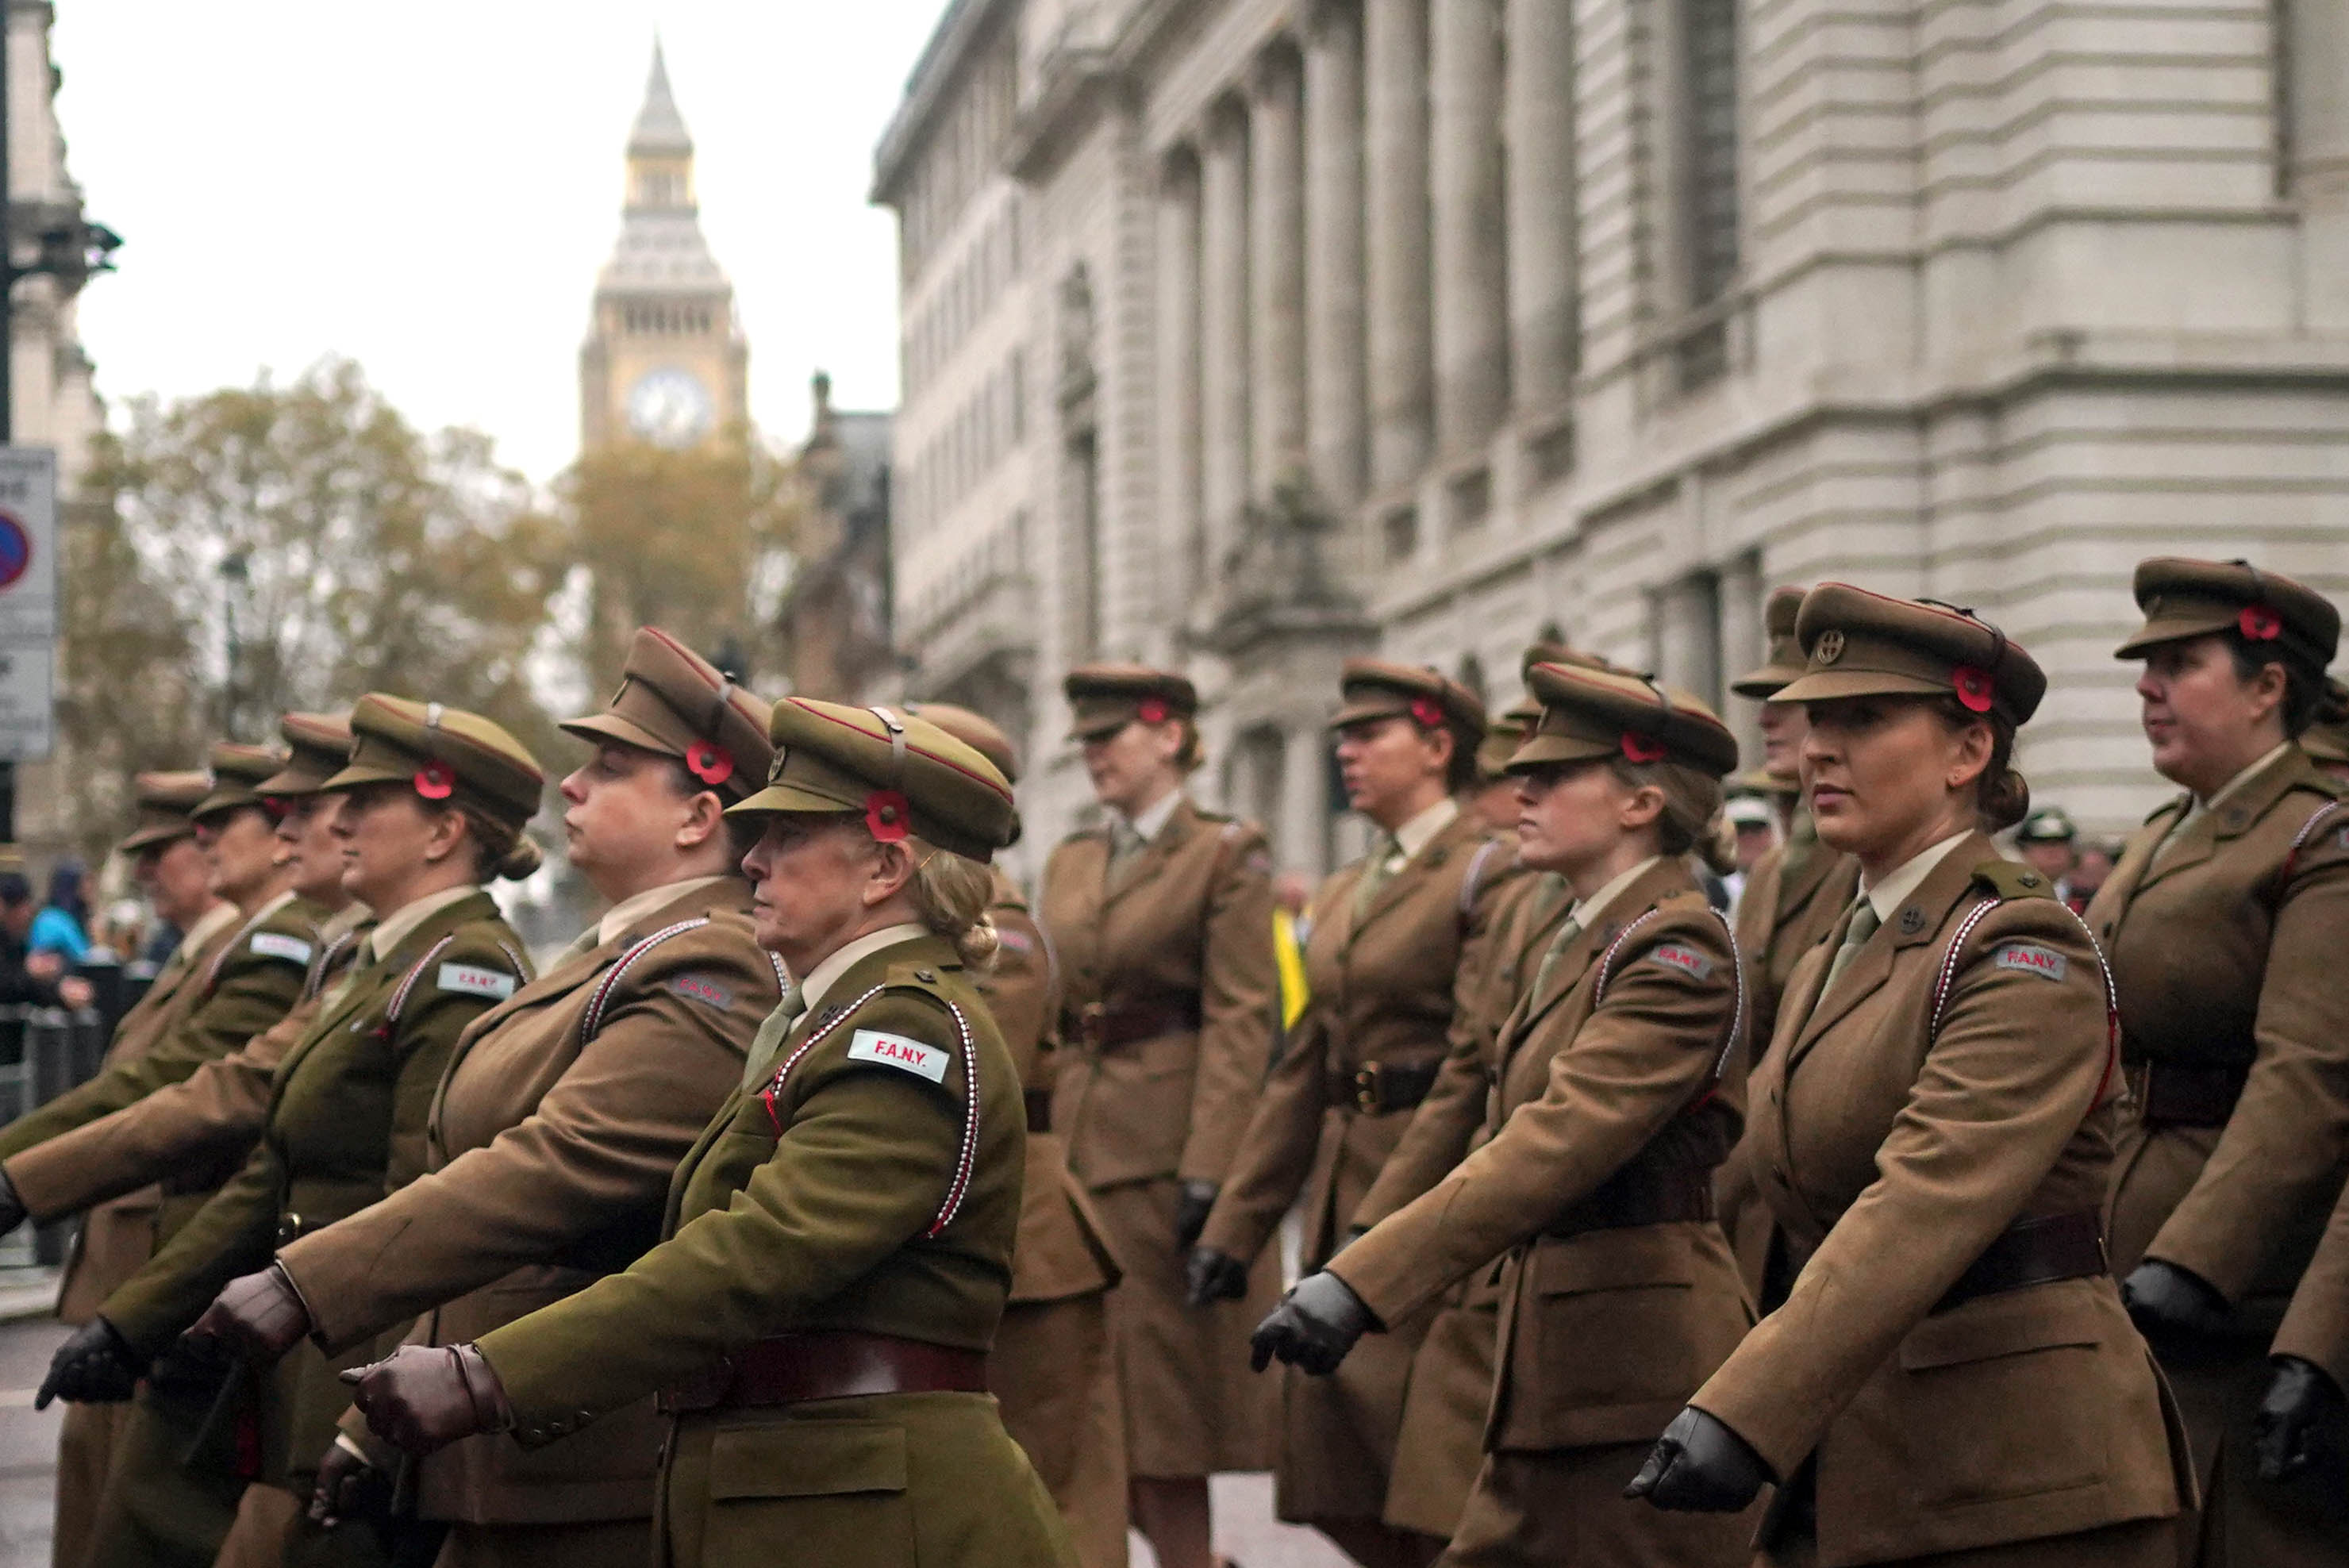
[44,1052]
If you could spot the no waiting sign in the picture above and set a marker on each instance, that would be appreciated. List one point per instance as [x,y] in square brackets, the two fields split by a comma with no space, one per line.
[29,601]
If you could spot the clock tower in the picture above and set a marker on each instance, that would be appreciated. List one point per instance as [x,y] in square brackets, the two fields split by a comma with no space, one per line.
[664,360]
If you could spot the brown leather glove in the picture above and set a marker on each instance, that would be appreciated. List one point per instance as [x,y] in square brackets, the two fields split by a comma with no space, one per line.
[424,1398]
[349,1486]
[260,1317]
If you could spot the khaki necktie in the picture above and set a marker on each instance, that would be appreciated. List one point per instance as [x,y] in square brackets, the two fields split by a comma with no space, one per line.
[760,1060]
[1376,873]
[1863,925]
[1125,841]
[1554,951]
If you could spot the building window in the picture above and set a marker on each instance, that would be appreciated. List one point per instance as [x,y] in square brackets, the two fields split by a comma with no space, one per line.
[1709,39]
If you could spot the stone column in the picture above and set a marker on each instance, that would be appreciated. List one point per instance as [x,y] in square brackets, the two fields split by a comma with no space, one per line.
[1337,438]
[1539,96]
[1688,636]
[1742,644]
[1394,69]
[1304,800]
[1223,334]
[1464,178]
[1179,394]
[1277,269]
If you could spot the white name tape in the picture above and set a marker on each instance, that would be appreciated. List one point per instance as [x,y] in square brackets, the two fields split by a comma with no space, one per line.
[475,982]
[1687,959]
[2031,959]
[897,1051]
[277,944]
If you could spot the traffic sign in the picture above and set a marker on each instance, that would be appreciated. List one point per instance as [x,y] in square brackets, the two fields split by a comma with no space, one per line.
[28,602]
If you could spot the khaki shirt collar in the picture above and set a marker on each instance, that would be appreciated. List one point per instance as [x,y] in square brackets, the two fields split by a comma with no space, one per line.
[1417,834]
[209,924]
[1151,822]
[1587,911]
[827,973]
[1895,890]
[635,906]
[396,927]
[2234,786]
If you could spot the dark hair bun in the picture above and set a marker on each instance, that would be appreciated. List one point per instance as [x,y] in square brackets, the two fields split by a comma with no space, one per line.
[2005,800]
[520,861]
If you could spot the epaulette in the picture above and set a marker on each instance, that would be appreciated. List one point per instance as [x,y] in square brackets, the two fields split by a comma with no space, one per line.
[2172,804]
[2012,879]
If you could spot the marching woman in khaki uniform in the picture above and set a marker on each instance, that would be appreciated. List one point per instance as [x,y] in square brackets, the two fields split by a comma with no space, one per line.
[557,1123]
[1794,897]
[435,800]
[118,1237]
[2224,922]
[1952,1380]
[1163,922]
[1050,1369]
[1592,1194]
[1390,963]
[209,1121]
[839,1241]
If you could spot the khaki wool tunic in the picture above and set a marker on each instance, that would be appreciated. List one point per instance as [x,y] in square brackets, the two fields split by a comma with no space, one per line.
[2226,941]
[1613,1087]
[1184,929]
[556,1126]
[2023,1427]
[1388,986]
[848,1192]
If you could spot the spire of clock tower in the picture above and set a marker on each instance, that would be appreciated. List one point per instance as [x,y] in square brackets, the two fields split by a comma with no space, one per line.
[665,359]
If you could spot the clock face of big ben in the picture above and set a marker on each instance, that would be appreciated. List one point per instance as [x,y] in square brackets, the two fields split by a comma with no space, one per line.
[670,407]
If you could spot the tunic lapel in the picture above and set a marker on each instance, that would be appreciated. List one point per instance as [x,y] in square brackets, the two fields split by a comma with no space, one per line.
[1153,855]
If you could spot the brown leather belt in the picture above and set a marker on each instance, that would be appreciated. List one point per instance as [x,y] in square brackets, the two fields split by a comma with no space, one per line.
[2172,1094]
[832,1363]
[2034,1251]
[1104,1027]
[1650,1198]
[1379,1088]
[1039,1110]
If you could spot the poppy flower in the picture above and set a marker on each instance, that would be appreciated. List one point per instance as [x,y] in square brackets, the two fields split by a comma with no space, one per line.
[888,816]
[2260,623]
[710,764]
[1642,747]
[436,780]
[1152,710]
[1428,712]
[1974,687]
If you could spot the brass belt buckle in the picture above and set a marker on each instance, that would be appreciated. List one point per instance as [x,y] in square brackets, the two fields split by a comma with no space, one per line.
[1366,1088]
[289,1230]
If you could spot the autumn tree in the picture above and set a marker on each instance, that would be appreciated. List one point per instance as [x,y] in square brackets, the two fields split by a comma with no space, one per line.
[272,547]
[696,541]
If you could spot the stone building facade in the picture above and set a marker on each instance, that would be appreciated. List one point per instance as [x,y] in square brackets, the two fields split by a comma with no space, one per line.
[1427,326]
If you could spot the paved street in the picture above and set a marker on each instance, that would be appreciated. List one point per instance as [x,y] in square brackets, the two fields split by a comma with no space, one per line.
[28,1449]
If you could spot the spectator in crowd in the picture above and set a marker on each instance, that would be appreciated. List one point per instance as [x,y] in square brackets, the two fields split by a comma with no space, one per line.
[1755,830]
[62,926]
[2089,870]
[37,979]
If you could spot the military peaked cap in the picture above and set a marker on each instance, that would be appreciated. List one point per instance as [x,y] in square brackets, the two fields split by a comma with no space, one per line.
[1783,664]
[166,801]
[1859,644]
[2048,825]
[1587,715]
[674,702]
[1106,699]
[317,746]
[444,753]
[901,773]
[1378,688]
[975,730]
[238,773]
[2183,598]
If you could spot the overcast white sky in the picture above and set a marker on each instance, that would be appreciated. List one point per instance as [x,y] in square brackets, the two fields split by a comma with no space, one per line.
[430,187]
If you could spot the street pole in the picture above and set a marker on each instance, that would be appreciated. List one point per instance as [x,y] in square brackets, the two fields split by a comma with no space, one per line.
[7,358]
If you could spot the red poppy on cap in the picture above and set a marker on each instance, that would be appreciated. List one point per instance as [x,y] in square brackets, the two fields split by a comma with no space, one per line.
[1974,687]
[1152,710]
[1642,747]
[435,780]
[1428,712]
[710,764]
[887,815]
[2260,623]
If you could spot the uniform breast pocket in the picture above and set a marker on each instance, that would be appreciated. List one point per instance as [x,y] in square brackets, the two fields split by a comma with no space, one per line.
[2002,1398]
[811,1492]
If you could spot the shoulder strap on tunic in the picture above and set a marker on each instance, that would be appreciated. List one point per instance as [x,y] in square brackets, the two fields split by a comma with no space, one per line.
[591,1023]
[1737,981]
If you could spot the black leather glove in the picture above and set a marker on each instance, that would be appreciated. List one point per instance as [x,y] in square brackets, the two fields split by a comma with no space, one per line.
[12,1207]
[260,1317]
[424,1398]
[349,1486]
[95,1366]
[2168,1302]
[2302,1399]
[1313,1327]
[1216,1276]
[1198,1201]
[1700,1466]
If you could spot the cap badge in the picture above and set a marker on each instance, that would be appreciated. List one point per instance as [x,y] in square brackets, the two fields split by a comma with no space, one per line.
[775,764]
[1974,687]
[1428,712]
[1829,648]
[1642,747]
[435,780]
[887,815]
[710,764]
[2260,623]
[1150,710]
